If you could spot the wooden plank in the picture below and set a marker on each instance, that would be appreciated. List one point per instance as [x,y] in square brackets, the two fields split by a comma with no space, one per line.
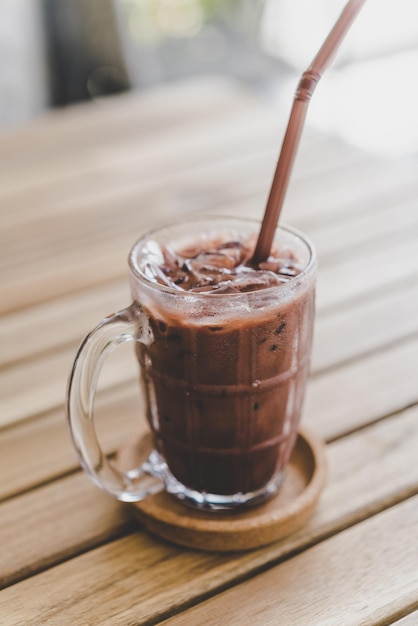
[364,231]
[150,578]
[360,276]
[227,179]
[85,212]
[409,620]
[366,325]
[133,117]
[59,134]
[60,322]
[74,517]
[352,189]
[92,221]
[241,130]
[37,386]
[173,157]
[136,168]
[135,155]
[141,164]
[87,267]
[365,575]
[89,251]
[39,450]
[74,274]
[359,393]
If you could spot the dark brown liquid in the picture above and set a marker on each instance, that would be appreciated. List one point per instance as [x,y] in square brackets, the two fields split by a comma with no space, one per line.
[224,399]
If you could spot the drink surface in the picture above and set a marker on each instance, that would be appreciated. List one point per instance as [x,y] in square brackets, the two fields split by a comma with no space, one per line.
[224,395]
[219,266]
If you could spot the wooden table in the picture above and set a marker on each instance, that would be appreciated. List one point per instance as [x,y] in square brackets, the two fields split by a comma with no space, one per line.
[76,188]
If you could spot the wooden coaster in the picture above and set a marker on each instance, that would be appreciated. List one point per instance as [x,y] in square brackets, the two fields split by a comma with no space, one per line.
[246,528]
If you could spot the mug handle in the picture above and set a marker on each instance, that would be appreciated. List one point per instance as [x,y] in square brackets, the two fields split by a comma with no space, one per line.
[129,486]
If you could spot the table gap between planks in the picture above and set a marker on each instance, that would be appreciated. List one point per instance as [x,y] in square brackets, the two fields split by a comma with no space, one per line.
[76,188]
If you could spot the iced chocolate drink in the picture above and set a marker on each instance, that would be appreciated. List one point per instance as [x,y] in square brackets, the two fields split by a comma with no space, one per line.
[226,355]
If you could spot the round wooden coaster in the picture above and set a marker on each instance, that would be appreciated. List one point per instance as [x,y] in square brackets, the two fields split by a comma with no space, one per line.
[246,528]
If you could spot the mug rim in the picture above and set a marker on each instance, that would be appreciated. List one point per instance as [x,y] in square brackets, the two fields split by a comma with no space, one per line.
[135,270]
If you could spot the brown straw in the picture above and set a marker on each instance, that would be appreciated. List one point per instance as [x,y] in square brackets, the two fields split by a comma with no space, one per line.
[290,144]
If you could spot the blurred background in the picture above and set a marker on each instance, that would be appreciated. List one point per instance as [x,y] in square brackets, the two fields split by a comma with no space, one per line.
[54,53]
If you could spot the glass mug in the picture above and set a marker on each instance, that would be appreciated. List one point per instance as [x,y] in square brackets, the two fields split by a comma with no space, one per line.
[223,376]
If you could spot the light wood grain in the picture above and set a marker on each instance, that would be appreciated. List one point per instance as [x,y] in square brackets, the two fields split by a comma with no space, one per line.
[55,523]
[388,220]
[58,137]
[351,190]
[37,386]
[90,248]
[358,393]
[201,183]
[158,577]
[409,620]
[77,274]
[140,171]
[189,152]
[87,251]
[358,277]
[69,221]
[224,161]
[119,117]
[366,325]
[61,322]
[38,451]
[138,166]
[365,575]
